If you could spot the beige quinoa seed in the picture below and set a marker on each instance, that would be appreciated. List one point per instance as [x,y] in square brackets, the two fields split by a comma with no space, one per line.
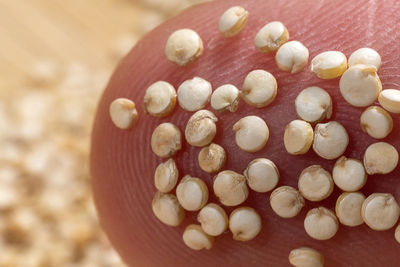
[244,223]
[123,113]
[212,158]
[201,129]
[380,158]
[167,209]
[286,201]
[306,257]
[195,238]
[233,21]
[166,140]
[183,47]
[348,208]
[271,36]
[321,223]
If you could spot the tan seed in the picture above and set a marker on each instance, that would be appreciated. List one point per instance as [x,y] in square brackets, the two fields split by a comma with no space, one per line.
[194,94]
[212,158]
[314,104]
[201,129]
[166,140]
[166,176]
[262,175]
[123,113]
[315,183]
[348,208]
[306,257]
[365,56]
[244,223]
[230,188]
[330,140]
[259,88]
[195,238]
[192,193]
[183,47]
[380,158]
[233,21]
[349,174]
[251,133]
[286,201]
[329,64]
[225,97]
[321,223]
[292,57]
[270,37]
[397,233]
[298,137]
[376,122]
[213,219]
[167,209]
[390,100]
[160,99]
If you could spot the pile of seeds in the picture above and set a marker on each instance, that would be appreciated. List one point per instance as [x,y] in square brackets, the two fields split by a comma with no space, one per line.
[359,85]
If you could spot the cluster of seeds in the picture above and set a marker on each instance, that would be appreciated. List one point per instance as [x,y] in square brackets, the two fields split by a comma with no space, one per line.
[359,85]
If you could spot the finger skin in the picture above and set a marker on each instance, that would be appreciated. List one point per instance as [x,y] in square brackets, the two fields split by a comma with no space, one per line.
[122,163]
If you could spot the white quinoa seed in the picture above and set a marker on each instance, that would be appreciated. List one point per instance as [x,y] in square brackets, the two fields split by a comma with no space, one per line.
[123,113]
[376,122]
[251,133]
[201,129]
[330,140]
[298,137]
[244,223]
[166,176]
[230,187]
[321,223]
[262,175]
[194,94]
[213,219]
[380,158]
[360,85]
[166,140]
[225,97]
[349,174]
[286,201]
[306,257]
[167,209]
[315,183]
[365,56]
[212,158]
[380,211]
[348,208]
[271,36]
[313,104]
[160,99]
[390,100]
[192,193]
[329,64]
[183,47]
[195,238]
[233,21]
[259,88]
[292,57]
[397,233]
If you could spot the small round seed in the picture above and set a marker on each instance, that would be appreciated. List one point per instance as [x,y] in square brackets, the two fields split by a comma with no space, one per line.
[252,133]
[306,257]
[225,97]
[194,94]
[314,104]
[195,238]
[233,21]
[397,233]
[330,140]
[292,57]
[201,129]
[365,56]
[230,188]
[183,47]
[244,223]
[286,201]
[270,37]
[212,158]
[321,223]
[160,99]
[167,209]
[213,219]
[192,193]
[348,208]
[259,88]
[380,158]
[166,176]
[360,85]
[298,137]
[329,64]
[376,122]
[349,174]
[123,113]
[262,175]
[315,183]
[390,100]
[166,140]
[380,211]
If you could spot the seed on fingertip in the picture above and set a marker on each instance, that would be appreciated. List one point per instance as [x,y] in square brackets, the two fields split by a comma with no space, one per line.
[292,57]
[201,129]
[233,21]
[244,223]
[380,158]
[225,97]
[349,174]
[397,233]
[230,187]
[183,47]
[166,140]
[315,183]
[321,223]
[194,94]
[166,176]
[195,238]
[390,100]
[286,201]
[270,37]
[251,133]
[298,137]
[376,122]
[213,219]
[365,56]
[123,113]
[167,209]
[160,99]
[306,257]
[348,208]
[330,140]
[259,88]
[212,158]
[192,193]
[314,104]
[329,64]
[262,175]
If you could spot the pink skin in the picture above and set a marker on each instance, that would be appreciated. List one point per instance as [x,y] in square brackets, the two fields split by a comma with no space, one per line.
[123,164]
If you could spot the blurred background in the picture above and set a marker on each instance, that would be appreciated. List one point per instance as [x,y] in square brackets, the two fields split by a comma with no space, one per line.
[55,60]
